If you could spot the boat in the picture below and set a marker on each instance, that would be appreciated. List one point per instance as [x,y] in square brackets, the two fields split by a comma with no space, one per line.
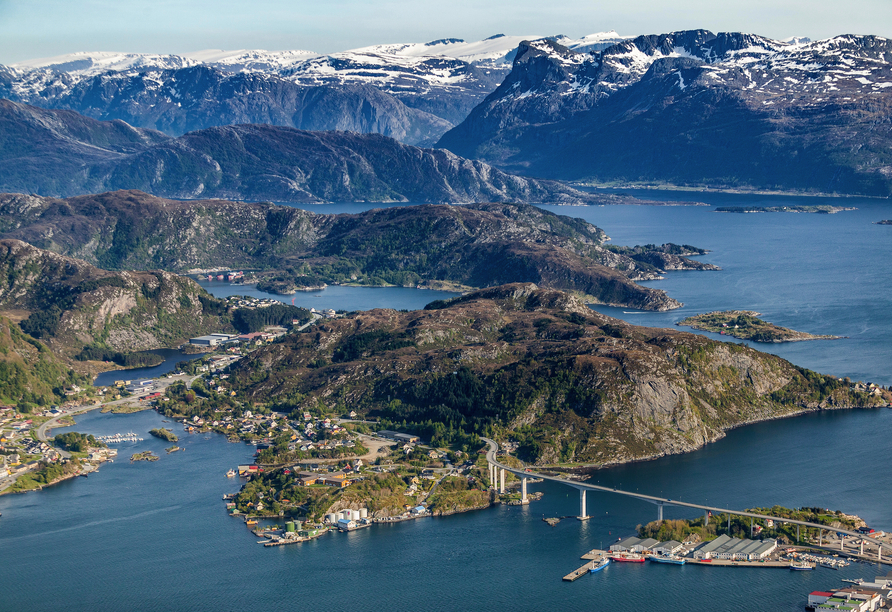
[230,474]
[801,566]
[667,559]
[250,522]
[604,562]
[624,557]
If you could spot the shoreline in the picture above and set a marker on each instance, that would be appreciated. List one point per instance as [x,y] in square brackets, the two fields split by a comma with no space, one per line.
[728,190]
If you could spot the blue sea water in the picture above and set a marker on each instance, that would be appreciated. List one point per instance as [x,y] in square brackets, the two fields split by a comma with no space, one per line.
[155,536]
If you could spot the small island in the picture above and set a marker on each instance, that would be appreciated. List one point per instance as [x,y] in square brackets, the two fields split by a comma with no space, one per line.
[144,456]
[164,434]
[746,325]
[821,209]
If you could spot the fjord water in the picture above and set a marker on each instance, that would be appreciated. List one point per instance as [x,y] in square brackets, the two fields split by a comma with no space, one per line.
[155,536]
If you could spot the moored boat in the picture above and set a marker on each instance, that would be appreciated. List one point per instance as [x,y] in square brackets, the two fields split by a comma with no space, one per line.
[801,565]
[667,559]
[625,557]
[230,474]
[604,562]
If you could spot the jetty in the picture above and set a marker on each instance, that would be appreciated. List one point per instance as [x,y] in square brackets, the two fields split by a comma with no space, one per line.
[592,558]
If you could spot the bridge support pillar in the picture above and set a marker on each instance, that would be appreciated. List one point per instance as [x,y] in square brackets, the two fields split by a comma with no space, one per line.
[798,539]
[582,515]
[729,523]
[659,512]
[523,490]
[879,552]
[842,542]
[752,526]
[862,548]
[706,517]
[502,481]
[492,476]
[820,537]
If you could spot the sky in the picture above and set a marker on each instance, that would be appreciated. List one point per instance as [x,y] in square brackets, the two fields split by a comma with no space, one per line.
[32,29]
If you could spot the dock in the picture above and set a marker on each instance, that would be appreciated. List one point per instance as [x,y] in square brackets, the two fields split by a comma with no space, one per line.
[579,573]
[591,557]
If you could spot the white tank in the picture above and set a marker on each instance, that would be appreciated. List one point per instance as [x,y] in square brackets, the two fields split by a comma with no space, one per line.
[363,513]
[354,515]
[346,514]
[332,518]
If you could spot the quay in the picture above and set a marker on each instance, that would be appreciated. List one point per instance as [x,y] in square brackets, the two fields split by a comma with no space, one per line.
[729,563]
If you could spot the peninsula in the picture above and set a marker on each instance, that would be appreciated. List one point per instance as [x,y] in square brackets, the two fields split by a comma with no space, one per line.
[746,325]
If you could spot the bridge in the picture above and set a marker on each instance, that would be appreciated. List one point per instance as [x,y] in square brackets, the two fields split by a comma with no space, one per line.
[498,470]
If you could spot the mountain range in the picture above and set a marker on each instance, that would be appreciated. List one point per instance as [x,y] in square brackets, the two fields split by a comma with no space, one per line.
[696,109]
[411,92]
[62,153]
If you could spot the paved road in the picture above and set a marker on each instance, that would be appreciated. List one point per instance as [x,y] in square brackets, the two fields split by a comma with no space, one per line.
[491,458]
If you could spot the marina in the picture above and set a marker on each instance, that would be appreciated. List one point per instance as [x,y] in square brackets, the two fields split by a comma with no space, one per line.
[119,438]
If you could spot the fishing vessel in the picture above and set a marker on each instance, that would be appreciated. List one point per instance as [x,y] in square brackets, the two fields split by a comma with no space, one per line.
[626,557]
[604,562]
[801,565]
[230,474]
[667,559]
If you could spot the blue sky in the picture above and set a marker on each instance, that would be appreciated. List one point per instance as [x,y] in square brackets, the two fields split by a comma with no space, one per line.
[42,28]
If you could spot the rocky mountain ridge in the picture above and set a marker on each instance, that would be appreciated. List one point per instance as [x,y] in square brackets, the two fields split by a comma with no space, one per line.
[538,366]
[63,153]
[476,245]
[694,108]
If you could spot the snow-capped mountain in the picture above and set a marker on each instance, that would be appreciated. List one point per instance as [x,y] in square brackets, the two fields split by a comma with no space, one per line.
[423,89]
[801,114]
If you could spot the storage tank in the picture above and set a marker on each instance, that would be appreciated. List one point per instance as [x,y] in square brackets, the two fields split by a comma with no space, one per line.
[298,525]
[363,513]
[354,515]
[289,526]
[346,514]
[332,518]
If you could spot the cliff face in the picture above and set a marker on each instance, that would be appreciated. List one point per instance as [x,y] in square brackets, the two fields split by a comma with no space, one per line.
[69,304]
[537,365]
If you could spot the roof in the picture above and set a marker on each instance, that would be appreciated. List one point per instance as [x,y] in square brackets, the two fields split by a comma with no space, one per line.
[821,593]
[668,544]
[628,542]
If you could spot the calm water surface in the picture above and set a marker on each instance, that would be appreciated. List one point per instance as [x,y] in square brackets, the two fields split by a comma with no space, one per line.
[155,536]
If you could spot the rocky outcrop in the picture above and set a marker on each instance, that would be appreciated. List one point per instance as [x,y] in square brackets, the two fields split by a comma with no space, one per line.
[538,366]
[69,304]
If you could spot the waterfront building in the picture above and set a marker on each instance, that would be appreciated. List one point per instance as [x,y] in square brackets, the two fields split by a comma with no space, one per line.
[667,548]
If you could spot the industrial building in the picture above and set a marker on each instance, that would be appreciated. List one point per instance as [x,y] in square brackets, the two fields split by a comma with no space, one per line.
[734,549]
[399,437]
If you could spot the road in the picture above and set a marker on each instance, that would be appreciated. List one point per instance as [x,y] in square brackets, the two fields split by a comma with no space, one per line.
[491,458]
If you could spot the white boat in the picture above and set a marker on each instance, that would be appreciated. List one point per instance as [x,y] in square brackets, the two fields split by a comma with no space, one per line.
[801,566]
[604,562]
[230,474]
